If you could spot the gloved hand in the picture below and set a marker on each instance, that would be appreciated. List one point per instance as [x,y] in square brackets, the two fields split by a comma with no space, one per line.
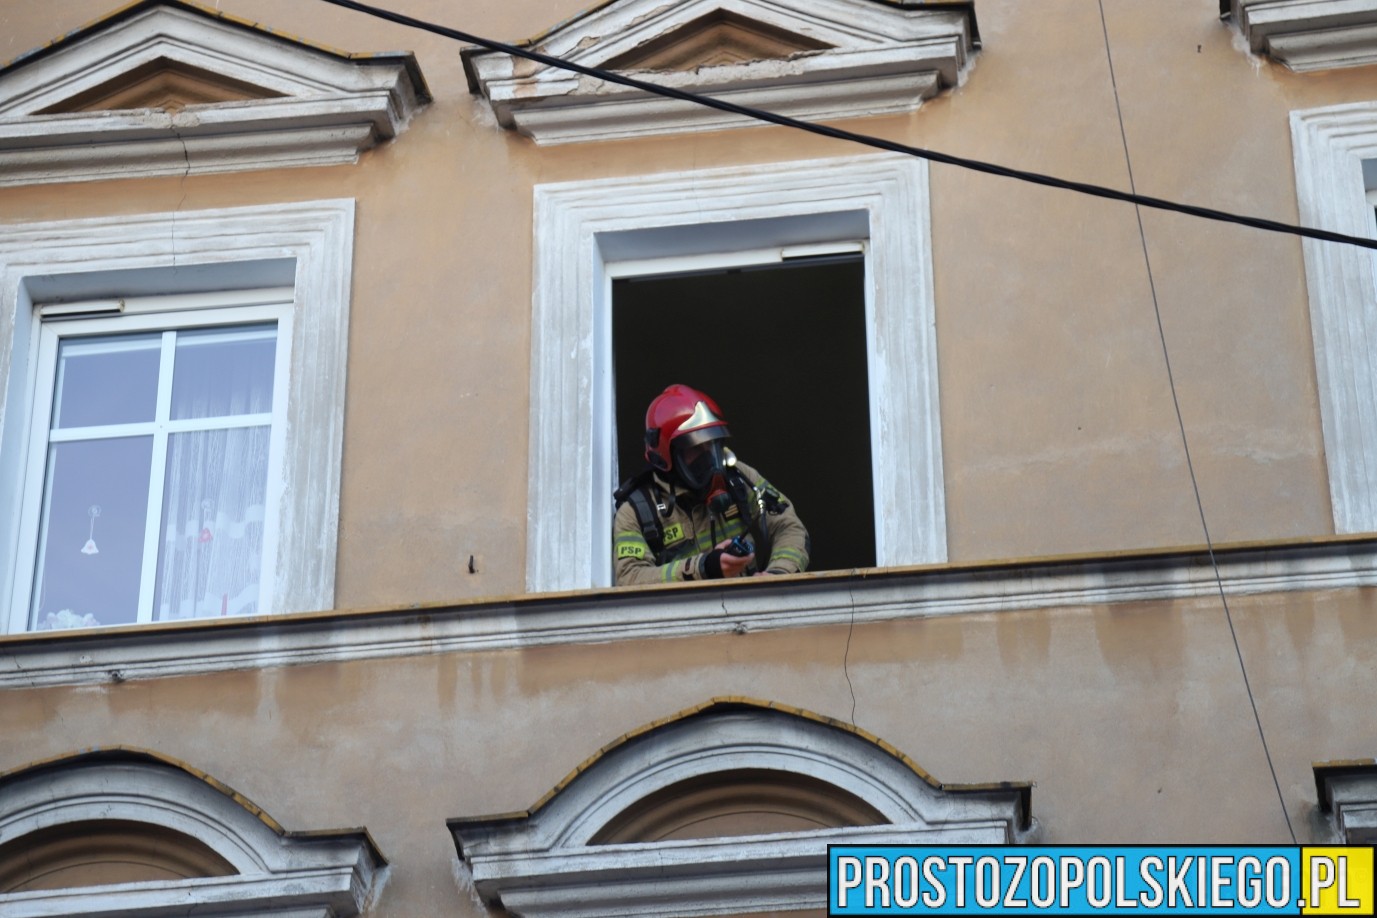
[718,564]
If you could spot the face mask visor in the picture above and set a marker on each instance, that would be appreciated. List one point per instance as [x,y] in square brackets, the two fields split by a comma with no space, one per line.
[697,462]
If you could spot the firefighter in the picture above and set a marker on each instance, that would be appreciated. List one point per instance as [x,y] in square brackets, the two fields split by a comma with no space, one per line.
[696,513]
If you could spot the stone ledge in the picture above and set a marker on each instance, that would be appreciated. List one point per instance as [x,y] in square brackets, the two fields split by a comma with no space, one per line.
[93,656]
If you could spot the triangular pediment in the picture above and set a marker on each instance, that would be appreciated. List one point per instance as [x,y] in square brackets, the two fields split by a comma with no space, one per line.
[721,37]
[162,84]
[103,95]
[821,60]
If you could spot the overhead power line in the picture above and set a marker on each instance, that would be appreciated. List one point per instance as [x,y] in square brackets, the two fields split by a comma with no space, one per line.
[879,143]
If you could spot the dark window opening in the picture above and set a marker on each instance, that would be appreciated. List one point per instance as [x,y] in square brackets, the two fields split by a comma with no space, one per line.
[782,349]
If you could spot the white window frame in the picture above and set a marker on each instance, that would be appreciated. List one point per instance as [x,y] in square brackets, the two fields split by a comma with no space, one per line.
[156,314]
[1329,146]
[583,230]
[308,246]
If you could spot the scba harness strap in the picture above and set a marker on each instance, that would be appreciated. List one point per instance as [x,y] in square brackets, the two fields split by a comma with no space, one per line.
[751,501]
[638,490]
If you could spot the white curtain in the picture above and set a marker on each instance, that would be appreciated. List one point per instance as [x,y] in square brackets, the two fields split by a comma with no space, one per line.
[211,554]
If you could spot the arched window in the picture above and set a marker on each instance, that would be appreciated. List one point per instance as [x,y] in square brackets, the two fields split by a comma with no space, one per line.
[128,831]
[723,809]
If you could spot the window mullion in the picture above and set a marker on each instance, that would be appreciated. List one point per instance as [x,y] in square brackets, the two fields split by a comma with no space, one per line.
[227,422]
[157,478]
[145,428]
[106,432]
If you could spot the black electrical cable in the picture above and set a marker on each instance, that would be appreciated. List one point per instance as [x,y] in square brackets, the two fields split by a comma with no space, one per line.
[1036,178]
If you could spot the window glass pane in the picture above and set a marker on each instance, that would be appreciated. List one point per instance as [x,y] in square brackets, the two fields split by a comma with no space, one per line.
[91,543]
[224,371]
[112,379]
[210,556]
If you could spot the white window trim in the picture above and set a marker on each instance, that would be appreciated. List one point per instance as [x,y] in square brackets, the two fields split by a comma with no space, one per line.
[542,865]
[152,314]
[316,876]
[154,252]
[581,228]
[1330,145]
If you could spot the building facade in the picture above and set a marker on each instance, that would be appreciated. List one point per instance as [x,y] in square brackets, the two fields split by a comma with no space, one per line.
[325,338]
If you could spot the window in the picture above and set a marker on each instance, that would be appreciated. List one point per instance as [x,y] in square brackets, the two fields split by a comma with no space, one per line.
[1333,148]
[591,233]
[230,353]
[779,342]
[147,493]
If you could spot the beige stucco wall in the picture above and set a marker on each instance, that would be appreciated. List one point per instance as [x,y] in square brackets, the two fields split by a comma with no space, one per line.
[1058,429]
[1133,721]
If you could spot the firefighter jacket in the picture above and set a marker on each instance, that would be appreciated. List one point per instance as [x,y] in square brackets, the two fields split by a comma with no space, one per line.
[691,531]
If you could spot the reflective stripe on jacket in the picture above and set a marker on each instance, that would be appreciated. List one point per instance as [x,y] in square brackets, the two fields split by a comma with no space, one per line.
[691,531]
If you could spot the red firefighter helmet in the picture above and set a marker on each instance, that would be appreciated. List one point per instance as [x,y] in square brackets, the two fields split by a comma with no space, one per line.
[680,416]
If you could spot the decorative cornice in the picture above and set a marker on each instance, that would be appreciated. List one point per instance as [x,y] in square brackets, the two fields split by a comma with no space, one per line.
[1309,35]
[308,105]
[1347,792]
[326,874]
[718,876]
[854,58]
[599,616]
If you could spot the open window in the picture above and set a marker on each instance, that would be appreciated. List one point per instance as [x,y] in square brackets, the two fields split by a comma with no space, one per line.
[611,252]
[778,339]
